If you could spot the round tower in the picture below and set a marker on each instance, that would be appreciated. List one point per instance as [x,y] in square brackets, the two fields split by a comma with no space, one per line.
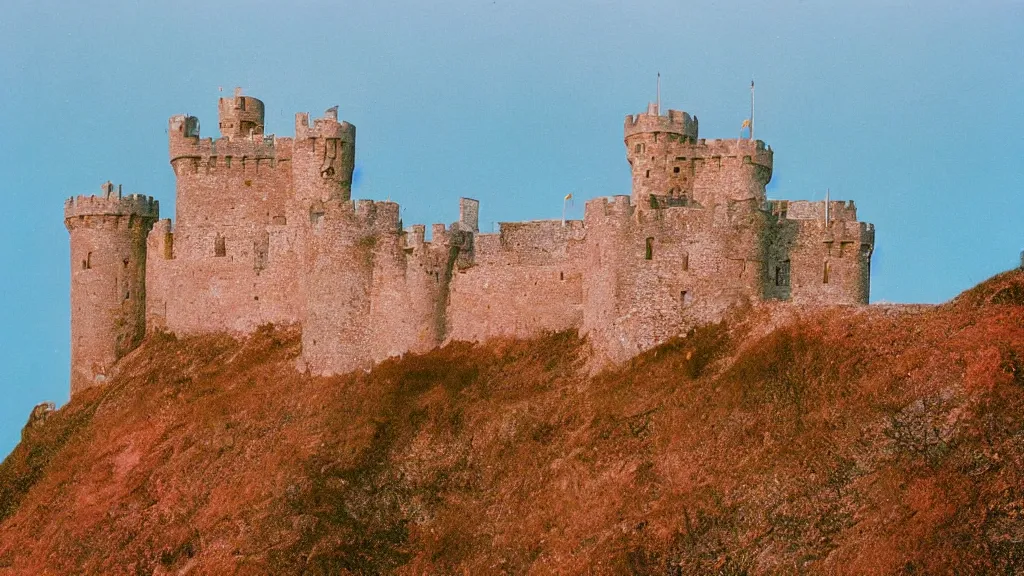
[108,279]
[324,158]
[240,116]
[650,142]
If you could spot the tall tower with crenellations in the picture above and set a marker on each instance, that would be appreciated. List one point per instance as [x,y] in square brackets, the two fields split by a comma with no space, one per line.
[672,166]
[108,279]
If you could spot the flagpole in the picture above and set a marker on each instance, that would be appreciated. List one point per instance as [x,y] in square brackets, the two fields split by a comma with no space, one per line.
[659,93]
[827,202]
[751,109]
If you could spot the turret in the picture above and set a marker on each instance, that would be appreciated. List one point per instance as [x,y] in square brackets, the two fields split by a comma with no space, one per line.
[324,157]
[108,279]
[240,116]
[672,166]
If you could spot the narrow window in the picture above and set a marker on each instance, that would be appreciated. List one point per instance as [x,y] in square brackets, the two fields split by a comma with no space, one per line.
[824,276]
[676,170]
[637,149]
[561,275]
[219,248]
[648,174]
[686,262]
[782,274]
[649,249]
[125,262]
[87,263]
[127,295]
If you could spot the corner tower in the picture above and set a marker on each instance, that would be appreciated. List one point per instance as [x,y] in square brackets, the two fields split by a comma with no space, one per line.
[108,279]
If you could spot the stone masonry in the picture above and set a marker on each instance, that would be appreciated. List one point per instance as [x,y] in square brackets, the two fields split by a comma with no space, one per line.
[266,232]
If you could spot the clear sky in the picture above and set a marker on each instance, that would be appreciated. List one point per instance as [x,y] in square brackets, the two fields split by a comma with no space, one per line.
[913,109]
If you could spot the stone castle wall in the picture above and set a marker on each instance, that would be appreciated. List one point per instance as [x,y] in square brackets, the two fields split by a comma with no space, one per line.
[266,232]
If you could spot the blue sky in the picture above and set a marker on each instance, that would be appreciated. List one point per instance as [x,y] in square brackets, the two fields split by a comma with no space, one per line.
[913,109]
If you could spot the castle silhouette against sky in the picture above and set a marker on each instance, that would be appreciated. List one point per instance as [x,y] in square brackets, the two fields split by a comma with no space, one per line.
[266,232]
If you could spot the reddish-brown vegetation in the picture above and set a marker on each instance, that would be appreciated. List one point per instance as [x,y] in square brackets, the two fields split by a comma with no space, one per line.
[846,440]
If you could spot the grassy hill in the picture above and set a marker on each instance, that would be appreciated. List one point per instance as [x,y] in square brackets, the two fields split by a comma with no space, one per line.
[877,440]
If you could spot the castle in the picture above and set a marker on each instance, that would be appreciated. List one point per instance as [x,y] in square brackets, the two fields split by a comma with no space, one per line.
[266,232]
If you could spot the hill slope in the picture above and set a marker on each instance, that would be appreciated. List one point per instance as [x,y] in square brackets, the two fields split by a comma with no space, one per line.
[878,440]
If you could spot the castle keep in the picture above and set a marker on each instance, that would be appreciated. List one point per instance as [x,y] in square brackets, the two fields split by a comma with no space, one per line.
[266,232]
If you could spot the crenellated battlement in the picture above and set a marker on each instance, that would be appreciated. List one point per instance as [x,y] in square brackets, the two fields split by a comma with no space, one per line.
[111,202]
[676,122]
[415,236]
[620,206]
[381,216]
[838,210]
[185,142]
[325,127]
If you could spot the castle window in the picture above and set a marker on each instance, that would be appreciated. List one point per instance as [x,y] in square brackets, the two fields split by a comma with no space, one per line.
[561,275]
[87,263]
[782,274]
[686,261]
[219,248]
[638,149]
[649,249]
[127,295]
[648,174]
[824,275]
[685,297]
[125,262]
[675,170]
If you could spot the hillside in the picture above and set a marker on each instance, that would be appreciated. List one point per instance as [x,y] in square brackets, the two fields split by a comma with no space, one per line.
[875,440]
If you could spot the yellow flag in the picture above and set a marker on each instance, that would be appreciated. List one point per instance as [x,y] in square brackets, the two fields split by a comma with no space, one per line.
[746,124]
[568,196]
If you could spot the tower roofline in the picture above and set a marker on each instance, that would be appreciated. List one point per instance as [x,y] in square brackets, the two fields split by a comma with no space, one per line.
[112,203]
[675,122]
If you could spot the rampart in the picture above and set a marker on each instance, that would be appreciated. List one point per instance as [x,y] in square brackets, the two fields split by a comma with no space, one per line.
[266,232]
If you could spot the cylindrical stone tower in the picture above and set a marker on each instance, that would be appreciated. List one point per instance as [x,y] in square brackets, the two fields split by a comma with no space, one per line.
[108,279]
[240,116]
[652,141]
